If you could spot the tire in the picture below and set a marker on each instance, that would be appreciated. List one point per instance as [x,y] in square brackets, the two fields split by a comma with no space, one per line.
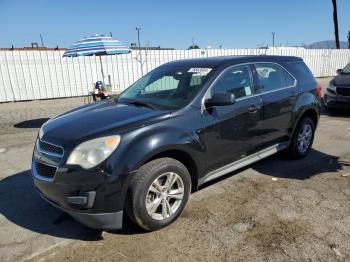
[148,194]
[300,147]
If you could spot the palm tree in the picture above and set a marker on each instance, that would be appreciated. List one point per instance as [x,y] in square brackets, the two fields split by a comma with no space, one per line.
[335,20]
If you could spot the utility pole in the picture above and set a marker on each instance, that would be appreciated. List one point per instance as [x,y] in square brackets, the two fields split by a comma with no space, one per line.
[138,36]
[42,42]
[140,52]
[335,19]
[273,39]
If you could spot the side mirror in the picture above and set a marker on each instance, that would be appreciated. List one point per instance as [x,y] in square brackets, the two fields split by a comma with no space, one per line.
[220,99]
[339,71]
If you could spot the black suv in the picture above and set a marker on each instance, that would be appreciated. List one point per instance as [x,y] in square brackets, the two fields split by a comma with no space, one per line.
[181,125]
[338,91]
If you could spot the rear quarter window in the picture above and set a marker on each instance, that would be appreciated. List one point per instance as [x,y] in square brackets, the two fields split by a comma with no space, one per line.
[289,79]
[301,72]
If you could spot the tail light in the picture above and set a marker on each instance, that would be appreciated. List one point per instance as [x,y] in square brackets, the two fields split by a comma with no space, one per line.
[318,90]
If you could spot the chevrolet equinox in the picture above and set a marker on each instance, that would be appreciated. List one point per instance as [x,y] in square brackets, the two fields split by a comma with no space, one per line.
[181,125]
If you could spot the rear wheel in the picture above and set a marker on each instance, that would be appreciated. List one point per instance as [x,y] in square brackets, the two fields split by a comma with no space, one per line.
[303,138]
[158,193]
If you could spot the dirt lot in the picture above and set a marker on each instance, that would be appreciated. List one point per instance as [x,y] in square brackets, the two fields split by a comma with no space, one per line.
[275,210]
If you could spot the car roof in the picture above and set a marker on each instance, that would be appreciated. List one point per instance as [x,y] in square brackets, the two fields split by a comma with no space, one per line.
[217,61]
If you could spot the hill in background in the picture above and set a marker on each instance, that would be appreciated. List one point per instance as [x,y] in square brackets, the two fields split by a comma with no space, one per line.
[327,44]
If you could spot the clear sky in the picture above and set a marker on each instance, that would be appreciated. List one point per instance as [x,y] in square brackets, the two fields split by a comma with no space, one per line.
[232,24]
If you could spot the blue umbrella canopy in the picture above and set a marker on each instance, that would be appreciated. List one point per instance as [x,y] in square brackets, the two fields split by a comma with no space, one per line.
[97,45]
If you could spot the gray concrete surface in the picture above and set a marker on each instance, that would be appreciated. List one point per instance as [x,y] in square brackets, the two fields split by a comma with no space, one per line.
[27,224]
[277,209]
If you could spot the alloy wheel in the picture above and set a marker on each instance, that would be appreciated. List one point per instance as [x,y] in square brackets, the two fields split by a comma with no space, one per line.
[164,196]
[305,138]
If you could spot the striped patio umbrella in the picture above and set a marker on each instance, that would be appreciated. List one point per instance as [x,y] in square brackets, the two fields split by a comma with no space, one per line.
[97,45]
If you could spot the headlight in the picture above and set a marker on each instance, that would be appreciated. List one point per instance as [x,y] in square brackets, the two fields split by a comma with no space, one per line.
[91,153]
[41,132]
[332,87]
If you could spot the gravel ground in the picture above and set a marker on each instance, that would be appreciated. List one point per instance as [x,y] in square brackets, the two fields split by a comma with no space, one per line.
[276,210]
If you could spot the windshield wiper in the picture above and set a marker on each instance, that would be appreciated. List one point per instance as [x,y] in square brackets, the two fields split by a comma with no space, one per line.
[139,103]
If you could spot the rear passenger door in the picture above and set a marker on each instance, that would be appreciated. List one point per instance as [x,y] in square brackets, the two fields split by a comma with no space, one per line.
[278,92]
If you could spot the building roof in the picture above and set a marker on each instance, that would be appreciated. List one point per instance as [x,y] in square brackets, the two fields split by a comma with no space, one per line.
[32,49]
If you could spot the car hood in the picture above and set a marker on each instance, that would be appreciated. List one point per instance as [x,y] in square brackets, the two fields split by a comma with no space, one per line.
[342,80]
[96,119]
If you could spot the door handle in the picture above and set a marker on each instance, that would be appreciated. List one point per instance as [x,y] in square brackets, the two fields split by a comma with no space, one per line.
[253,109]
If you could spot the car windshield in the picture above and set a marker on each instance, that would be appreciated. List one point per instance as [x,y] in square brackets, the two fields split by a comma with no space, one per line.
[346,69]
[166,87]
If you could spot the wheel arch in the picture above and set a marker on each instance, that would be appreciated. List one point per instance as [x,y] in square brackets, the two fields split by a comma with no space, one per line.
[309,112]
[307,104]
[184,158]
[312,113]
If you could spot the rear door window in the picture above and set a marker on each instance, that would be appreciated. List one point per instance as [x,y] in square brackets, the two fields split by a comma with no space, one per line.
[273,77]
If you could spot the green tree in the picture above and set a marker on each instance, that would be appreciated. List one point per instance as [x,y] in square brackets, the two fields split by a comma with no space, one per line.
[193,47]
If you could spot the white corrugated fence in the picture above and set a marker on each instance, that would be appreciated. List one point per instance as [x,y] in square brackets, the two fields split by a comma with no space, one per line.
[43,74]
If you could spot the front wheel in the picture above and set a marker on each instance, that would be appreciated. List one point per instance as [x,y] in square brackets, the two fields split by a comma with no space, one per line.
[303,138]
[158,193]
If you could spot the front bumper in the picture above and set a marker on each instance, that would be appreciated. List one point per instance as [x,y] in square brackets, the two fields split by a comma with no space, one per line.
[101,221]
[332,100]
[93,197]
[79,204]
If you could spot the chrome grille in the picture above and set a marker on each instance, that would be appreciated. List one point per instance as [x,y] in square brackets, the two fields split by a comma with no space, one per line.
[343,91]
[45,170]
[50,148]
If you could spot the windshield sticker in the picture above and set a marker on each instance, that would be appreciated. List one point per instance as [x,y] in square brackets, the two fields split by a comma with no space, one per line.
[247,90]
[199,71]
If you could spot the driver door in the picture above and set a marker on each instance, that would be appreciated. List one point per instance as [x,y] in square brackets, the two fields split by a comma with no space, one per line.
[233,132]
